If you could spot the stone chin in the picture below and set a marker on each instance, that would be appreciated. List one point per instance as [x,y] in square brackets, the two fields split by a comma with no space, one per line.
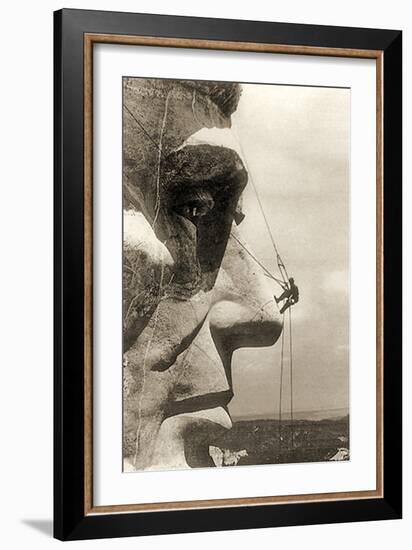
[183,440]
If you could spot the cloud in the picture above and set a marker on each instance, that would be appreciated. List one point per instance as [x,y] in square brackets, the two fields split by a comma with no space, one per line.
[336,282]
[297,141]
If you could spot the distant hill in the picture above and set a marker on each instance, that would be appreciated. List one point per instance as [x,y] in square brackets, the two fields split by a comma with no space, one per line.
[268,441]
[323,414]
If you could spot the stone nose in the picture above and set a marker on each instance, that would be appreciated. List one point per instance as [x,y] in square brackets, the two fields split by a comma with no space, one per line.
[243,326]
[246,315]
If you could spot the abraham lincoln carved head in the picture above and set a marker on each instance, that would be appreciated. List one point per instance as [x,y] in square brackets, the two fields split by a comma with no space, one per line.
[192,294]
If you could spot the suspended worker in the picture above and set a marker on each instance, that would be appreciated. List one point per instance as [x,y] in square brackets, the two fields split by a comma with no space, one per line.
[290,294]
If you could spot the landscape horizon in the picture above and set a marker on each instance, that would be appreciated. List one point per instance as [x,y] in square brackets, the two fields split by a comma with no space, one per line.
[314,414]
[273,441]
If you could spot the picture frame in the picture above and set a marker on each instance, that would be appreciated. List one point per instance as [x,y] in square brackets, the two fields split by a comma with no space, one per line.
[76,32]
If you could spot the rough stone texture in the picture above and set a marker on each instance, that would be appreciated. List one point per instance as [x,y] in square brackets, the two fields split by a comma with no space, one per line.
[191,294]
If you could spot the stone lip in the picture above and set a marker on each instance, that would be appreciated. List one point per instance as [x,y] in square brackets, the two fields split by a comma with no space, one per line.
[217,415]
[200,403]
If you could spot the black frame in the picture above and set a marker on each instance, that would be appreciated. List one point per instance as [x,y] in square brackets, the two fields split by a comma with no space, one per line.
[70,522]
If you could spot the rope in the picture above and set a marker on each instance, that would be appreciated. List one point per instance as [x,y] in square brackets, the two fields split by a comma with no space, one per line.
[280,263]
[281,388]
[282,269]
[280,430]
[291,375]
[141,126]
[159,159]
[267,272]
[285,276]
[142,391]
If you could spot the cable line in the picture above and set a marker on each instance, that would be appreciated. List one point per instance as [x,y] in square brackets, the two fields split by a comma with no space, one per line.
[284,284]
[281,388]
[281,265]
[267,272]
[291,375]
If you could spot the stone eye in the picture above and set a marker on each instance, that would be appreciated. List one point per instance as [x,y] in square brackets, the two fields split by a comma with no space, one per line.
[195,204]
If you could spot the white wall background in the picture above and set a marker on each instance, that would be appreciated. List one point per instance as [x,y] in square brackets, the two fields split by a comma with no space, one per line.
[26,110]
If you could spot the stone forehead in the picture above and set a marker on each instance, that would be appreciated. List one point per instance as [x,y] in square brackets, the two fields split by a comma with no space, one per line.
[225,95]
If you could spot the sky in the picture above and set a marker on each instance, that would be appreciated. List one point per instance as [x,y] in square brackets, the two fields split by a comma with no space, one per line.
[296,142]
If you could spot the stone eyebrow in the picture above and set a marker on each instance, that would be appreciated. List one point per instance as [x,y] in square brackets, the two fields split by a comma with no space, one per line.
[204,164]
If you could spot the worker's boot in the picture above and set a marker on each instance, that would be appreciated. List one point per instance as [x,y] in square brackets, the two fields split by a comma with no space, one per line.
[285,307]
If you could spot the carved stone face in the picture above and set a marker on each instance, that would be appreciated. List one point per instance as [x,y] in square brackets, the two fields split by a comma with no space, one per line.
[191,293]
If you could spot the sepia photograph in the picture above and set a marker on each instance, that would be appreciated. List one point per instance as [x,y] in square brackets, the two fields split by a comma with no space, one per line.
[227,274]
[236,274]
